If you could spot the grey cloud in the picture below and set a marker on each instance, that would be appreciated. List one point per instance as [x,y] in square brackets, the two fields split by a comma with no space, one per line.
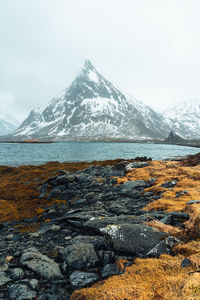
[149,48]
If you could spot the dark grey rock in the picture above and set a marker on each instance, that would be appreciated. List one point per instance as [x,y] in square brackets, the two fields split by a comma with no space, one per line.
[41,264]
[136,164]
[96,223]
[132,238]
[106,257]
[82,279]
[68,195]
[33,282]
[193,202]
[79,255]
[21,292]
[109,270]
[136,184]
[169,184]
[4,278]
[97,241]
[164,247]
[175,218]
[186,262]
[17,273]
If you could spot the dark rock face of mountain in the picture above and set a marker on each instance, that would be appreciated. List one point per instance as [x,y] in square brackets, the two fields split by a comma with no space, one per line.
[174,138]
[93,108]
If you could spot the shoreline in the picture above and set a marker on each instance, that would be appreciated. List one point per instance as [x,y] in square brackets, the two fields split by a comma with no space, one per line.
[186,143]
[71,218]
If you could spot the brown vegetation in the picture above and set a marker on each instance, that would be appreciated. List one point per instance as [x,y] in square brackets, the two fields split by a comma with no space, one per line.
[161,278]
[19,187]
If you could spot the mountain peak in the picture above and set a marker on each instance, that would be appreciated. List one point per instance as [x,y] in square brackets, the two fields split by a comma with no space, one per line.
[92,107]
[88,65]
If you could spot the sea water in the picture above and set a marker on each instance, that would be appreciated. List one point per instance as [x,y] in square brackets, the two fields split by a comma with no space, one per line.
[16,154]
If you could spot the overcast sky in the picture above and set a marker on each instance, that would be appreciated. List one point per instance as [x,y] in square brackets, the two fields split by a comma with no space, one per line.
[149,48]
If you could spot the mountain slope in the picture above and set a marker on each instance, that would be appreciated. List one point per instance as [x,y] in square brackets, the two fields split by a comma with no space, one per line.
[93,108]
[6,127]
[184,118]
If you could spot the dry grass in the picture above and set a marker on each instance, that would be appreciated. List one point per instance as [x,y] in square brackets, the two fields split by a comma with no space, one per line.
[171,230]
[152,279]
[19,187]
[146,279]
[161,278]
[187,179]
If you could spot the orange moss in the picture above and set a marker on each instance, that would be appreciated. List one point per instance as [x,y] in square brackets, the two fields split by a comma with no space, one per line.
[27,228]
[146,279]
[161,278]
[187,179]
[19,187]
[163,227]
[47,221]
[121,264]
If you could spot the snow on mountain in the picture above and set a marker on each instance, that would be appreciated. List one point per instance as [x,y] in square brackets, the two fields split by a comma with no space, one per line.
[6,127]
[184,118]
[93,108]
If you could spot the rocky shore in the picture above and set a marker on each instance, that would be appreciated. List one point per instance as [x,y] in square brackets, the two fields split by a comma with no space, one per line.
[98,223]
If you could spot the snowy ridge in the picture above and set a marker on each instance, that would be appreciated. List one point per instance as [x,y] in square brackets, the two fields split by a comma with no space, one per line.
[184,118]
[6,127]
[91,107]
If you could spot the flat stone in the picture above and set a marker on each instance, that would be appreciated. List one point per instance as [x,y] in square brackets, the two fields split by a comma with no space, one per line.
[4,278]
[97,241]
[169,184]
[136,184]
[21,292]
[109,270]
[82,279]
[193,202]
[96,223]
[41,264]
[136,164]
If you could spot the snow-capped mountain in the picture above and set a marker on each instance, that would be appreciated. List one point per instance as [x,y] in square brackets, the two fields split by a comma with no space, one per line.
[93,108]
[6,127]
[184,118]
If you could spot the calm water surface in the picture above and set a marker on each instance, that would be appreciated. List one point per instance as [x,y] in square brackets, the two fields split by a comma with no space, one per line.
[35,154]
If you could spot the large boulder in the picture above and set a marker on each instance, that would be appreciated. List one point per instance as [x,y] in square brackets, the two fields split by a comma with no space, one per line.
[79,255]
[21,292]
[132,238]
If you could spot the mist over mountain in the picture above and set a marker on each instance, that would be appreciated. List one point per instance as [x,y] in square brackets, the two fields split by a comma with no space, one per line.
[6,127]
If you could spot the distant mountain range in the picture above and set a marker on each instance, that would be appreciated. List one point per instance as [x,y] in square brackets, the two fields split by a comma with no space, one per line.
[6,127]
[184,118]
[93,108]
